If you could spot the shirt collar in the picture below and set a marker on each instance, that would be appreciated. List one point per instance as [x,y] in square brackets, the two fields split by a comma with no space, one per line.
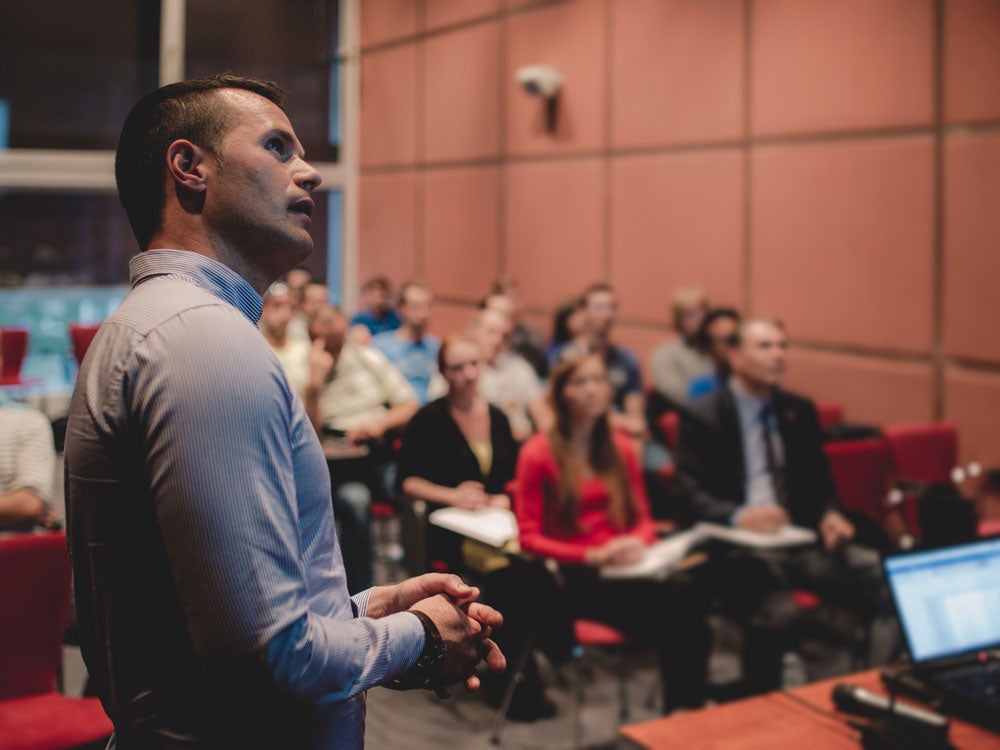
[749,405]
[212,276]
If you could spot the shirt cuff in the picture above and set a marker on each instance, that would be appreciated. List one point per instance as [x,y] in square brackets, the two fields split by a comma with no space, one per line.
[360,600]
[409,639]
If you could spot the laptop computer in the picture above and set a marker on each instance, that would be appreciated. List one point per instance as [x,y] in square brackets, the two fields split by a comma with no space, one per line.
[948,603]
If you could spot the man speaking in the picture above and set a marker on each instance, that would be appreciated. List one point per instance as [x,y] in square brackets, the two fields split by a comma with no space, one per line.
[210,587]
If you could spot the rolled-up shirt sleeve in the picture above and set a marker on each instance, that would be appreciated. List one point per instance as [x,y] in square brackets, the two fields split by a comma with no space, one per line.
[226,459]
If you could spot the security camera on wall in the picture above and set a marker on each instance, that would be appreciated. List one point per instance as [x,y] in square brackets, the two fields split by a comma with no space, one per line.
[546,82]
[540,80]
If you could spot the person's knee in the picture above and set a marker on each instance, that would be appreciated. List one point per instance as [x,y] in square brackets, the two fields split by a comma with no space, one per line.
[354,498]
[777,612]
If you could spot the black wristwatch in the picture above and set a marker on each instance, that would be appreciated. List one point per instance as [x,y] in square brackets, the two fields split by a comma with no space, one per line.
[424,673]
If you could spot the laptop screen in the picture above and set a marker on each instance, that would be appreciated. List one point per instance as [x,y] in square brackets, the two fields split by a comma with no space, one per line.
[948,599]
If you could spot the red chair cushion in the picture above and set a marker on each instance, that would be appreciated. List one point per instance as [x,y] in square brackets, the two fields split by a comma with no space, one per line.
[382,510]
[81,338]
[34,589]
[862,471]
[830,414]
[51,721]
[924,453]
[805,600]
[593,633]
[14,343]
[670,424]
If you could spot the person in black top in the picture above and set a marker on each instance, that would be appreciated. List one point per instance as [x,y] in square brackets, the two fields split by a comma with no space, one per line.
[459,450]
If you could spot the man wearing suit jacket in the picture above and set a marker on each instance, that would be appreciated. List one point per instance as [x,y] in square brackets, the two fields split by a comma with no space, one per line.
[751,456]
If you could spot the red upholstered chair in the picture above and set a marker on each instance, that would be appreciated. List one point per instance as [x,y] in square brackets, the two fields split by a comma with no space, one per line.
[670,423]
[863,473]
[35,590]
[924,453]
[830,413]
[80,337]
[14,343]
[593,634]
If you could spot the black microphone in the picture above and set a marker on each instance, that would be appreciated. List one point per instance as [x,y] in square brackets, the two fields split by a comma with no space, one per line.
[853,699]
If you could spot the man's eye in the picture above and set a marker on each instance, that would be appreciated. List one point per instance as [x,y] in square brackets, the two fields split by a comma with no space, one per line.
[275,144]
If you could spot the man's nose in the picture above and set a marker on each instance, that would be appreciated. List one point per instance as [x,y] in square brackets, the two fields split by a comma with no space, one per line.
[308,177]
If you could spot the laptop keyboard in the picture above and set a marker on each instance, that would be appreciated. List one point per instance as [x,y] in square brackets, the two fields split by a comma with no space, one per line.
[979,682]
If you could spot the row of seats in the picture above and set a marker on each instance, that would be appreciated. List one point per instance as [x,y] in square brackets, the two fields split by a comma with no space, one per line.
[867,470]
[14,343]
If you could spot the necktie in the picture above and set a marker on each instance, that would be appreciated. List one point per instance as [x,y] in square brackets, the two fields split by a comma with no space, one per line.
[777,472]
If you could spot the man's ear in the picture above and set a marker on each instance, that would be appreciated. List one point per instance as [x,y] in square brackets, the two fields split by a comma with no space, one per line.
[186,165]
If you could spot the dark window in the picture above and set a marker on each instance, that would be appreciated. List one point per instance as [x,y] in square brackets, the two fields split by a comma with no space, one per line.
[72,71]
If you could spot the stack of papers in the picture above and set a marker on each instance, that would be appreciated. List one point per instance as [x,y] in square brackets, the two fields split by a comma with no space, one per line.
[666,555]
[497,526]
[492,526]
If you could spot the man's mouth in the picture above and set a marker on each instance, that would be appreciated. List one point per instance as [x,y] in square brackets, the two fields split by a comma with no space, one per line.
[304,206]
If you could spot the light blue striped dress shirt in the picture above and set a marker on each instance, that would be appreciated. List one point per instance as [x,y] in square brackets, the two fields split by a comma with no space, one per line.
[210,585]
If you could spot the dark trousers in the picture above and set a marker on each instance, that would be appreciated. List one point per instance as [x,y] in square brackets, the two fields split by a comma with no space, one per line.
[755,587]
[668,616]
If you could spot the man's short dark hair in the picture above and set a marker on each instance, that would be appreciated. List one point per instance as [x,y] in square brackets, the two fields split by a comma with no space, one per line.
[412,284]
[376,282]
[189,110]
[716,313]
[736,340]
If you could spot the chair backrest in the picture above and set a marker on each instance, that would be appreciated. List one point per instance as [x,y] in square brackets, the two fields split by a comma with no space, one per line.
[924,453]
[35,591]
[670,424]
[14,343]
[81,336]
[830,413]
[862,471]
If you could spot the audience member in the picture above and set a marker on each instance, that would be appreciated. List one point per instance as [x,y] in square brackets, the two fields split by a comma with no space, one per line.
[27,466]
[410,348]
[751,456]
[580,501]
[356,395]
[715,337]
[507,380]
[311,298]
[296,281]
[376,314]
[292,353]
[677,362]
[526,340]
[600,311]
[209,584]
[459,450]
[987,503]
[567,326]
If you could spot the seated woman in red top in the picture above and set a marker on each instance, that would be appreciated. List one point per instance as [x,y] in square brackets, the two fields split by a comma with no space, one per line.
[580,501]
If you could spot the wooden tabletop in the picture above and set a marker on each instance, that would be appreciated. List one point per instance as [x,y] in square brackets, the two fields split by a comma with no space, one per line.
[804,717]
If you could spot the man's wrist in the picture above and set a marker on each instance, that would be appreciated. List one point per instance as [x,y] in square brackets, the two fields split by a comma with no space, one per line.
[425,672]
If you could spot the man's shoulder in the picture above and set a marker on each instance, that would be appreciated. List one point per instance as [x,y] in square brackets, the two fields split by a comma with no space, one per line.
[666,349]
[792,400]
[708,407]
[623,357]
[387,342]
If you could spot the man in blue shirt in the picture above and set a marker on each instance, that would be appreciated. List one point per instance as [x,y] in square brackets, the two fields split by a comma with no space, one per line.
[378,315]
[210,586]
[410,347]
